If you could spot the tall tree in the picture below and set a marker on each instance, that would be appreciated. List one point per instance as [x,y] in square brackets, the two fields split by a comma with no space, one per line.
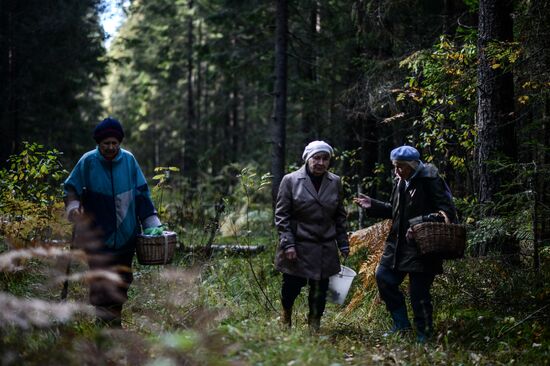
[51,70]
[278,132]
[10,127]
[495,131]
[534,27]
[190,164]
[308,73]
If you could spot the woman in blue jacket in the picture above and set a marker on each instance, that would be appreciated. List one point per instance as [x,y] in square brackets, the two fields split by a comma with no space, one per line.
[109,188]
[418,192]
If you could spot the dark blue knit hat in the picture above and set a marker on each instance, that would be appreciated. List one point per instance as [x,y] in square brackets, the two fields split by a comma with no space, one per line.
[404,153]
[109,127]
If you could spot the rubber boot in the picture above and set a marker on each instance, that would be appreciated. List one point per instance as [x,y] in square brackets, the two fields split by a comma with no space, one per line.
[401,321]
[422,337]
[314,323]
[424,329]
[109,316]
[286,318]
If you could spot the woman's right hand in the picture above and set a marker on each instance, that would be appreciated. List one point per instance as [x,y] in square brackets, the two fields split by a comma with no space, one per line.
[363,200]
[290,254]
[76,214]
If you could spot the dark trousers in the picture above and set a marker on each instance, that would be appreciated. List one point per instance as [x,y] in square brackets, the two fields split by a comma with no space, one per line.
[389,280]
[108,296]
[317,299]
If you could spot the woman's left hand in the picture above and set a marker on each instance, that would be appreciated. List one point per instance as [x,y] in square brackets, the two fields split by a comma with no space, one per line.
[410,234]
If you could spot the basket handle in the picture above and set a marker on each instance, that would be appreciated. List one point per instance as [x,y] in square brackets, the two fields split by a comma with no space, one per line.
[444,214]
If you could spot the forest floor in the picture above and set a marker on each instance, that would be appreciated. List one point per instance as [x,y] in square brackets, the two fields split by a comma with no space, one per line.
[225,311]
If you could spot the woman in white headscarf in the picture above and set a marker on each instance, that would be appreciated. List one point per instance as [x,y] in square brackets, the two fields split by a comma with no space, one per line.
[311,221]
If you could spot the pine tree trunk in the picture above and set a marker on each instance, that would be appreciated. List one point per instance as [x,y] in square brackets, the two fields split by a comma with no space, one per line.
[541,210]
[199,76]
[495,133]
[235,128]
[538,124]
[278,132]
[190,162]
[9,119]
[309,105]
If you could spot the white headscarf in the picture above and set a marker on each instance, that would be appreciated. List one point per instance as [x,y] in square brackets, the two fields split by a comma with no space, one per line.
[314,147]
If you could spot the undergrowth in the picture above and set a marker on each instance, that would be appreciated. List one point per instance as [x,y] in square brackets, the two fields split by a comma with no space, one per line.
[224,308]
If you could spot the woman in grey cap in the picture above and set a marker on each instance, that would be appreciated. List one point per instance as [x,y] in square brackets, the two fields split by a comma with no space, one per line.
[418,192]
[311,221]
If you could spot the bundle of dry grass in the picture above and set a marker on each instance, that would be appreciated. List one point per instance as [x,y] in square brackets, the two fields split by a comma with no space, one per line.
[27,313]
[372,239]
[12,260]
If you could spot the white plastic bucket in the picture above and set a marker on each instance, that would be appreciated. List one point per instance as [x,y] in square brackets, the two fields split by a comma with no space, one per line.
[339,285]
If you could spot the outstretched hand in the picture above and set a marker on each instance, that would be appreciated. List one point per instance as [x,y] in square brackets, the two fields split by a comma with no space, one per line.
[363,200]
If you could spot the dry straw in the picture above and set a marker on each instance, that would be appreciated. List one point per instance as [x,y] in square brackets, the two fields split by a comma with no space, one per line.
[372,239]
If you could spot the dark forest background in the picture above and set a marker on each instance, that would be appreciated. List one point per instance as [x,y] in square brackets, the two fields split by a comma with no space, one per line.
[218,99]
[205,85]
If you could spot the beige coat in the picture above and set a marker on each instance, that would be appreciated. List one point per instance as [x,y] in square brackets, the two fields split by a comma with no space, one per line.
[313,222]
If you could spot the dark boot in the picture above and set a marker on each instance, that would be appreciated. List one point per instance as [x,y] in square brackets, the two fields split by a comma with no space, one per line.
[317,300]
[401,321]
[286,318]
[423,337]
[314,323]
[109,316]
[424,329]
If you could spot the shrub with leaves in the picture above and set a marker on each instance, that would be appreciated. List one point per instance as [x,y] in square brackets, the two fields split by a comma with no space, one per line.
[30,195]
[162,176]
[248,202]
[441,85]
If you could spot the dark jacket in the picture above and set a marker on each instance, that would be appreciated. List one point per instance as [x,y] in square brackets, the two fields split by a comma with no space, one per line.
[426,193]
[313,222]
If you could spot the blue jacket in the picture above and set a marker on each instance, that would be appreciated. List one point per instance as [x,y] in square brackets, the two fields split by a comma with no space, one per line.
[117,196]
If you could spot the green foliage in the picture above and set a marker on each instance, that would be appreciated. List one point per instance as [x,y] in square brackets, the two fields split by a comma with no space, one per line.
[247,204]
[251,185]
[472,5]
[34,175]
[508,220]
[228,58]
[47,40]
[502,317]
[162,184]
[443,85]
[348,160]
[226,312]
[503,55]
[30,194]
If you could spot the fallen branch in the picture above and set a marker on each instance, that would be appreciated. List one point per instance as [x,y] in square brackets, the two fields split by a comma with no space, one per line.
[522,321]
[231,248]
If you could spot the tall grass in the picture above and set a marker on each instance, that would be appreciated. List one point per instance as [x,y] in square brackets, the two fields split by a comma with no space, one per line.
[223,309]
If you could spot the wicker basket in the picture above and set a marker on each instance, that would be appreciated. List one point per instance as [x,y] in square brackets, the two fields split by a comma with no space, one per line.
[440,240]
[156,249]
